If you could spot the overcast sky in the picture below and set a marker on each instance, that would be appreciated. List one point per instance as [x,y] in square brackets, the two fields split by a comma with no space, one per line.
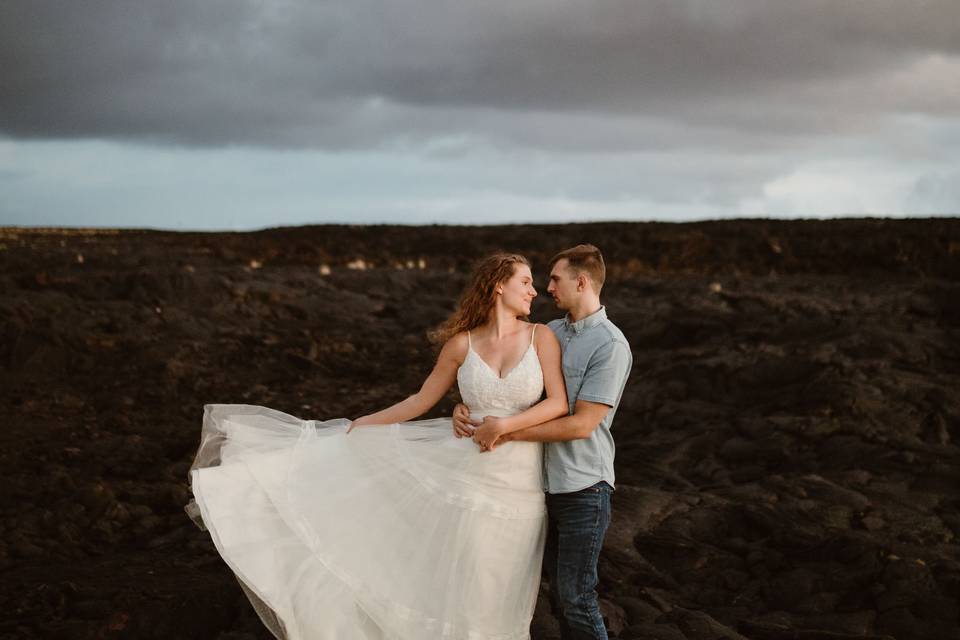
[245,114]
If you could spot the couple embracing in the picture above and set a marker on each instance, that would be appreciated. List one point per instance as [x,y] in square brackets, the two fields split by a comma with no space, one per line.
[388,527]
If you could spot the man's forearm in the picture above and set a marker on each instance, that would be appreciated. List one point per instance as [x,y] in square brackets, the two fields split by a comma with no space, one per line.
[559,430]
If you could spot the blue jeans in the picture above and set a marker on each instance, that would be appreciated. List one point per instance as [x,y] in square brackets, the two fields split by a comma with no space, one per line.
[577,524]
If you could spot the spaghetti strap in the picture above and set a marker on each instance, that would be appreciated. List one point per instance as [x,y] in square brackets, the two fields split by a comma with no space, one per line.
[469,344]
[533,333]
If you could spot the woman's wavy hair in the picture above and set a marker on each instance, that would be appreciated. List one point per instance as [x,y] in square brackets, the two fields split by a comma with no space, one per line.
[478,299]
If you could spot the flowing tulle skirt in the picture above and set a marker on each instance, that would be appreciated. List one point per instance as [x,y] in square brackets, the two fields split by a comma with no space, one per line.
[391,532]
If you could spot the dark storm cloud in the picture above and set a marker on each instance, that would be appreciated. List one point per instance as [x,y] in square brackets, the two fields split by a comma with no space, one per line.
[567,75]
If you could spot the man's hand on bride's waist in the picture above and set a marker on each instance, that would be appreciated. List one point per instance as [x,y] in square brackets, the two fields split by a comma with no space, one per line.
[463,424]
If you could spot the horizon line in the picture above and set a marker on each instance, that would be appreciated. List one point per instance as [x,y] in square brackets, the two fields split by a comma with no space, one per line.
[94,229]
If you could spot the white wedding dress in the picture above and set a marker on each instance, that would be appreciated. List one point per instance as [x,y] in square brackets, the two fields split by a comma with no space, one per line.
[391,532]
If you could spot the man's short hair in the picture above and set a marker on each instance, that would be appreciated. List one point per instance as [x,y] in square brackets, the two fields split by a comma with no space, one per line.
[586,259]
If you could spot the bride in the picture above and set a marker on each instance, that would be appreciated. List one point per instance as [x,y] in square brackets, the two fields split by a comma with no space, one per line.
[386,527]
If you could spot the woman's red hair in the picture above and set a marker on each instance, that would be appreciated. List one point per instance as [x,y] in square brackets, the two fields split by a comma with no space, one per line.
[478,299]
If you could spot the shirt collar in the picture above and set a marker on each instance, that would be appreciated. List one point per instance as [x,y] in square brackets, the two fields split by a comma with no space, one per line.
[591,320]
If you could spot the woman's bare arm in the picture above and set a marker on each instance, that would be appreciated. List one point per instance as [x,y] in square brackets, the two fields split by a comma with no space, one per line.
[439,381]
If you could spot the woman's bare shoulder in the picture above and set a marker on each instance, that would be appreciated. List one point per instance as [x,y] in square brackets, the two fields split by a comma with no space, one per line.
[456,347]
[544,336]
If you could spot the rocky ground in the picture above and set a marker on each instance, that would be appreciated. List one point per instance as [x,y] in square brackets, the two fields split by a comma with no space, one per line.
[788,458]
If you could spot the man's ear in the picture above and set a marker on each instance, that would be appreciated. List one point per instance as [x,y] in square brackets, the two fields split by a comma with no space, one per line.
[581,282]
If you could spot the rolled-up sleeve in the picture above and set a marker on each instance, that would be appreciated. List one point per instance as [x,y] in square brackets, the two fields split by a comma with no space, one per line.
[606,373]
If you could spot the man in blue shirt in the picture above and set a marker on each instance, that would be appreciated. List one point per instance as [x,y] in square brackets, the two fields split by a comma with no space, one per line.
[579,448]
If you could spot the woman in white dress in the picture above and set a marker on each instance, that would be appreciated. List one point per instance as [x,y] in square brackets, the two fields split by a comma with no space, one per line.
[389,528]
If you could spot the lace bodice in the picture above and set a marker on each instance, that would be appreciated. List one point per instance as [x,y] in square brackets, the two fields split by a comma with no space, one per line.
[487,394]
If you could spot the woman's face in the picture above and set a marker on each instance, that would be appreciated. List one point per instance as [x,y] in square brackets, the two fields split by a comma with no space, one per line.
[517,291]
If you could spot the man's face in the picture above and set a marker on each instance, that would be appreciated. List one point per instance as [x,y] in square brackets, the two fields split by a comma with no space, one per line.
[563,285]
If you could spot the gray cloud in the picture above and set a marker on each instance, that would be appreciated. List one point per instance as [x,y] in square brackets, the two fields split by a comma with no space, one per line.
[570,76]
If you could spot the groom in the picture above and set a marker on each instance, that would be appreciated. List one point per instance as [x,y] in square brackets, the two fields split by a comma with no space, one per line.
[579,449]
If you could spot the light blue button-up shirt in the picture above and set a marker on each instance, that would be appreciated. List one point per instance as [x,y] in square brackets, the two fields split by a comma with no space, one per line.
[596,363]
